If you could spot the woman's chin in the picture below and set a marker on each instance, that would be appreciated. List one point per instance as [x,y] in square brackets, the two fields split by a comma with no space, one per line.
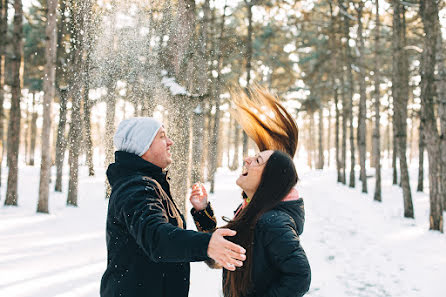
[238,181]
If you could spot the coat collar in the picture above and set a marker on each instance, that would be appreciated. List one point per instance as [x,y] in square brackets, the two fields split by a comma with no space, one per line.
[127,164]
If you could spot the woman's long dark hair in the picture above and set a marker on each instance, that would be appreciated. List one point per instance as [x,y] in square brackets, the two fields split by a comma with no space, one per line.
[265,120]
[278,178]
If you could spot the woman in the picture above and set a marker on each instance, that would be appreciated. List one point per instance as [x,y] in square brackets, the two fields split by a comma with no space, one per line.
[271,217]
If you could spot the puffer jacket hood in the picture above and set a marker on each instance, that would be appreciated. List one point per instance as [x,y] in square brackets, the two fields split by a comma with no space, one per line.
[295,209]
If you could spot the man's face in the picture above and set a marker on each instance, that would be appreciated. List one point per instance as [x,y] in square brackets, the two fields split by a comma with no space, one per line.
[159,151]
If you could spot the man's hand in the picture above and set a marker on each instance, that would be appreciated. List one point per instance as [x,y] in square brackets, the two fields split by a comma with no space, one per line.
[224,252]
[199,197]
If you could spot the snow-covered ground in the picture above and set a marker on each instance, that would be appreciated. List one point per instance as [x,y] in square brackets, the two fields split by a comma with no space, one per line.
[356,247]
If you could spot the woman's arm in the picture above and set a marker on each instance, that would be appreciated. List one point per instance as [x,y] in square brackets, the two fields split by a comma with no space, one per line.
[204,219]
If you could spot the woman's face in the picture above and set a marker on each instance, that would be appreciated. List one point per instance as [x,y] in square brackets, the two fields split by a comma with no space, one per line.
[252,171]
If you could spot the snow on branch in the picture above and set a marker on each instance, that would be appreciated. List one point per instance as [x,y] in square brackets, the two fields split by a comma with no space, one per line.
[174,87]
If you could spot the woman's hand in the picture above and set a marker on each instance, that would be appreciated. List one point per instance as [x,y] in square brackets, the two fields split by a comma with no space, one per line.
[199,197]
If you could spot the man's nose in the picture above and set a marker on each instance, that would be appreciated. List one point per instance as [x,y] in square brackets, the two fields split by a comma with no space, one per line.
[169,142]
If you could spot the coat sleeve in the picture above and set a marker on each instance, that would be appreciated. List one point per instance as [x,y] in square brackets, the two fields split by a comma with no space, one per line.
[204,219]
[145,217]
[283,248]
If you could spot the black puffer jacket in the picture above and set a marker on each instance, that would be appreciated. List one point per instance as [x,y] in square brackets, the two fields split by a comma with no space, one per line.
[280,265]
[148,255]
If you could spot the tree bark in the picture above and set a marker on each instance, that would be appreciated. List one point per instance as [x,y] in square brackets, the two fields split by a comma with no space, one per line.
[376,133]
[49,91]
[394,151]
[61,142]
[14,113]
[362,116]
[197,144]
[76,117]
[400,85]
[109,130]
[420,186]
[216,128]
[3,43]
[179,129]
[87,118]
[337,147]
[349,61]
[429,16]
[211,119]
[27,133]
[249,5]
[235,161]
[344,132]
[33,133]
[311,142]
[320,163]
[441,92]
[330,118]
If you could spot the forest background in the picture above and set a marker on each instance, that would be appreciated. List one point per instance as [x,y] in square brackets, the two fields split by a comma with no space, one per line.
[365,80]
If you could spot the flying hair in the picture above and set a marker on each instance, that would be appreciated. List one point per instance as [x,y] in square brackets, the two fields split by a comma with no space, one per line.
[265,120]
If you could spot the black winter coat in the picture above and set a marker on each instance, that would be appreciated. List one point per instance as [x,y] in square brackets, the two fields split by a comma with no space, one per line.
[280,265]
[148,254]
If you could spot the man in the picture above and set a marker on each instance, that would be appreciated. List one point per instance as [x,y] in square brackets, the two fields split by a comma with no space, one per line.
[149,249]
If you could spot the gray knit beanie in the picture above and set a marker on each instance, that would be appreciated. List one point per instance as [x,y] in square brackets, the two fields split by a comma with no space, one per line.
[135,135]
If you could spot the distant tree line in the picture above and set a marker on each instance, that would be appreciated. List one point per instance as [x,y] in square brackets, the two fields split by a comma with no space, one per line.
[366,79]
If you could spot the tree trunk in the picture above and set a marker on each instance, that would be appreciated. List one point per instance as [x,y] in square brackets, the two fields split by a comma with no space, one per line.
[330,117]
[49,91]
[61,142]
[400,96]
[75,134]
[362,116]
[394,151]
[33,134]
[420,187]
[312,142]
[249,5]
[211,119]
[27,133]
[441,91]
[197,143]
[216,128]
[179,129]
[87,118]
[14,113]
[349,61]
[3,43]
[229,140]
[206,142]
[235,159]
[198,120]
[344,132]
[337,148]
[109,130]
[429,16]
[376,133]
[320,163]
